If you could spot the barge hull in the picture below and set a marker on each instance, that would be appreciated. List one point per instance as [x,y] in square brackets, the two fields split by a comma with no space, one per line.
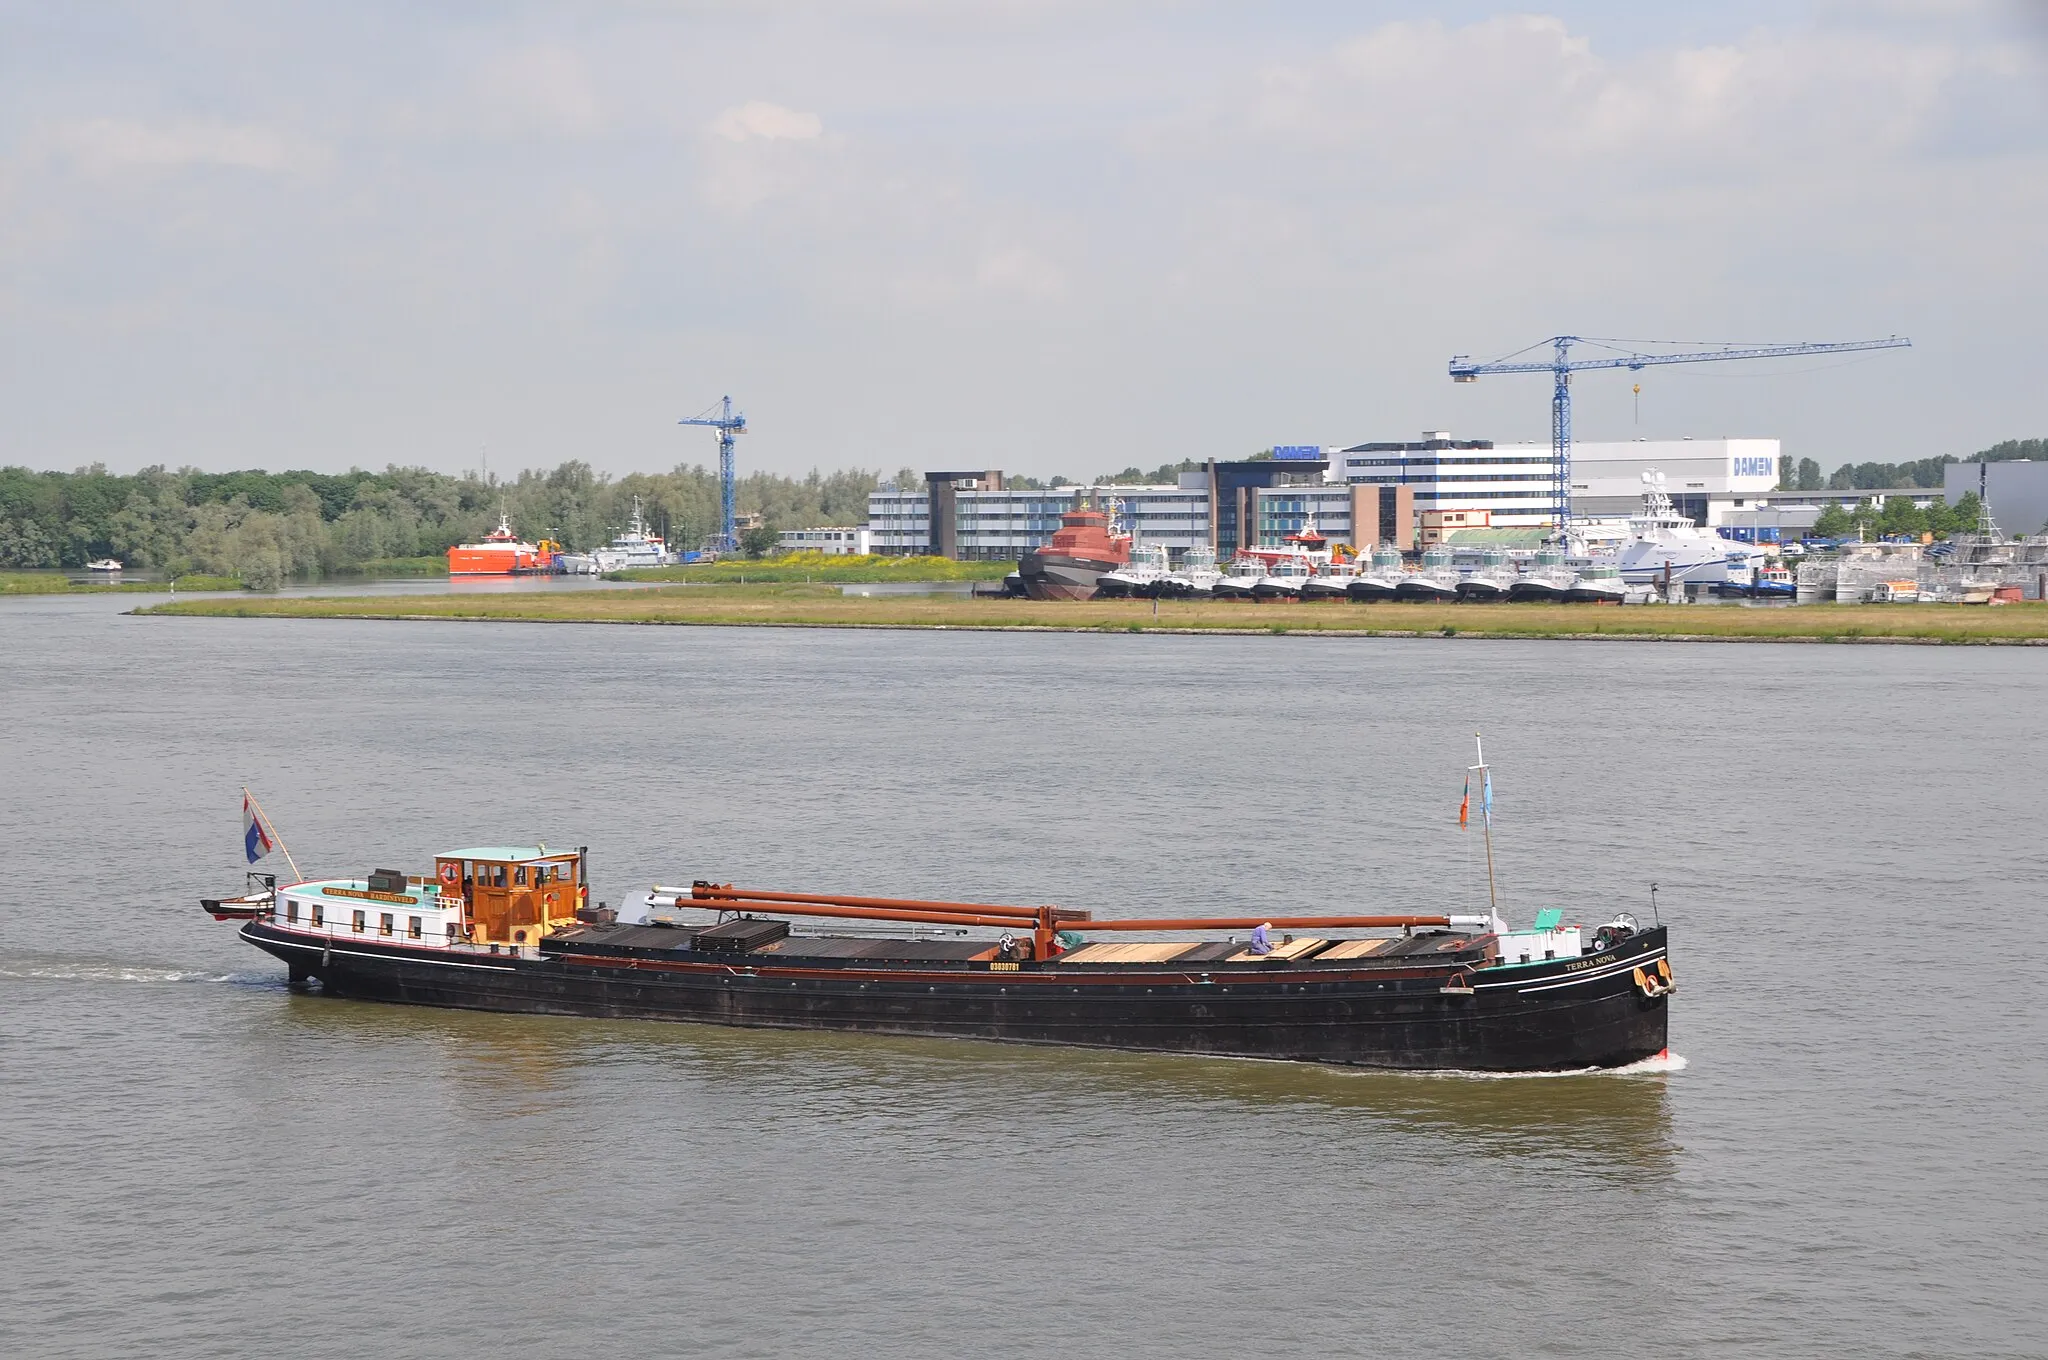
[1563,1015]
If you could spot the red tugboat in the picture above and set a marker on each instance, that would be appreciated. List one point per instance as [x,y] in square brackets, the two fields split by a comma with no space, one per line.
[1068,565]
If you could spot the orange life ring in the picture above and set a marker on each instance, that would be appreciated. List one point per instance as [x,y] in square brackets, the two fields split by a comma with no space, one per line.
[448,874]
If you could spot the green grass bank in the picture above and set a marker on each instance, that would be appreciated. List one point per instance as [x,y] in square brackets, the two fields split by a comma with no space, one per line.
[824,607]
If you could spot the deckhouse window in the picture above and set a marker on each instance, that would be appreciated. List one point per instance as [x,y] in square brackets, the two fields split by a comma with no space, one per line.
[319,914]
[412,926]
[291,910]
[383,923]
[358,923]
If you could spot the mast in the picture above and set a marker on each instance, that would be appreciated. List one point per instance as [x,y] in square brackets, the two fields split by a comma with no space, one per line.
[1486,821]
[273,831]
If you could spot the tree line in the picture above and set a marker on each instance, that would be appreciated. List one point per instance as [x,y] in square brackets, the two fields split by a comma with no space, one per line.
[1805,474]
[1899,518]
[266,527]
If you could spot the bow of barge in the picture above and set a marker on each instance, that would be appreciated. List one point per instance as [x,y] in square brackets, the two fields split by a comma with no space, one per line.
[511,929]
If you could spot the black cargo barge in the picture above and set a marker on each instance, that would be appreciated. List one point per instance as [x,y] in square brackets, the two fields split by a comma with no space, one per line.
[1431,1001]
[510,928]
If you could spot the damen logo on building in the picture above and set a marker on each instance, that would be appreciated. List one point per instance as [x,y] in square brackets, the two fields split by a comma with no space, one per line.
[1756,467]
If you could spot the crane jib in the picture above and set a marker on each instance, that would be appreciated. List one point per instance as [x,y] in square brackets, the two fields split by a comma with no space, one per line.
[1561,366]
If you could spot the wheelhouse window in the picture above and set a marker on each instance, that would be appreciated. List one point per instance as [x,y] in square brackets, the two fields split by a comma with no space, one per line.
[519,877]
[357,924]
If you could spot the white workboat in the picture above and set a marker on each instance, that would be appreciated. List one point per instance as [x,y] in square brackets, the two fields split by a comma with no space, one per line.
[633,548]
[1668,548]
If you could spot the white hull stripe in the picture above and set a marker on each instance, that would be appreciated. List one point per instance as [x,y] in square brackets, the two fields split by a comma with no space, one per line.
[1591,975]
[391,958]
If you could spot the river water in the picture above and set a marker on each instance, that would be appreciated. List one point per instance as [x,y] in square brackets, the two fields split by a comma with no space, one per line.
[1845,1159]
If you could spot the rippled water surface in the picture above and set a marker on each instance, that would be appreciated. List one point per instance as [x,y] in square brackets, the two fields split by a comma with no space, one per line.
[198,1162]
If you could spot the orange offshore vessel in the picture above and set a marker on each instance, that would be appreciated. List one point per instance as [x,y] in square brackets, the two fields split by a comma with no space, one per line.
[1069,564]
[502,554]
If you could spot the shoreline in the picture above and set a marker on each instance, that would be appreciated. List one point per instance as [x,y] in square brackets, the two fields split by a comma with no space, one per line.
[816,607]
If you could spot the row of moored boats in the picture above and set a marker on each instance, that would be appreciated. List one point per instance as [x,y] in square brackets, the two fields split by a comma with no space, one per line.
[1312,574]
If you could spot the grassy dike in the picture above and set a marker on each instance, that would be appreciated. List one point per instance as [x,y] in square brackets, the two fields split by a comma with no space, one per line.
[49,583]
[825,607]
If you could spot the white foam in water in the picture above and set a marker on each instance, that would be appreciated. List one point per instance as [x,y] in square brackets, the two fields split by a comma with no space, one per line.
[1662,1063]
[60,970]
[1667,1061]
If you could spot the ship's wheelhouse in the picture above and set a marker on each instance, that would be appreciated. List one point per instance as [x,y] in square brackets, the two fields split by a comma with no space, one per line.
[512,894]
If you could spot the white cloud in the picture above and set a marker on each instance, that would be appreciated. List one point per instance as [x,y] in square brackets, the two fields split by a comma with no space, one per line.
[758,119]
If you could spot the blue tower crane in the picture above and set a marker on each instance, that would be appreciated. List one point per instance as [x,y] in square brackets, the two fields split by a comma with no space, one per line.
[1561,366]
[721,418]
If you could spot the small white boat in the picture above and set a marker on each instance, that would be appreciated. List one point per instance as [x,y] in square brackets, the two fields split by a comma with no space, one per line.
[1489,582]
[1238,582]
[1436,583]
[109,565]
[576,564]
[1378,582]
[1597,583]
[1196,579]
[1331,582]
[1547,581]
[1282,581]
[1138,577]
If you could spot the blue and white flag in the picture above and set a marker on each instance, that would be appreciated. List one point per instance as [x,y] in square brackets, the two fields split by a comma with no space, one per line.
[256,838]
[1486,792]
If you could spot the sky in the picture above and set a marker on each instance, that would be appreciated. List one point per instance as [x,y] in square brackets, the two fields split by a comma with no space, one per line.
[1050,236]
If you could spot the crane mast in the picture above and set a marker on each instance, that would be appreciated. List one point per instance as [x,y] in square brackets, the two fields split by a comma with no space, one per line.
[722,419]
[1561,366]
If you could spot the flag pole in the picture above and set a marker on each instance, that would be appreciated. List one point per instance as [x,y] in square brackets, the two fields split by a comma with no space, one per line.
[1485,819]
[255,803]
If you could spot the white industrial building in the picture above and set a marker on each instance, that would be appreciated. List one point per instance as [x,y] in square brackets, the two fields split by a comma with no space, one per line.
[1705,478]
[995,523]
[835,541]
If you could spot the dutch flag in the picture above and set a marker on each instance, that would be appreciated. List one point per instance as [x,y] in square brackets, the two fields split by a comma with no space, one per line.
[256,838]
